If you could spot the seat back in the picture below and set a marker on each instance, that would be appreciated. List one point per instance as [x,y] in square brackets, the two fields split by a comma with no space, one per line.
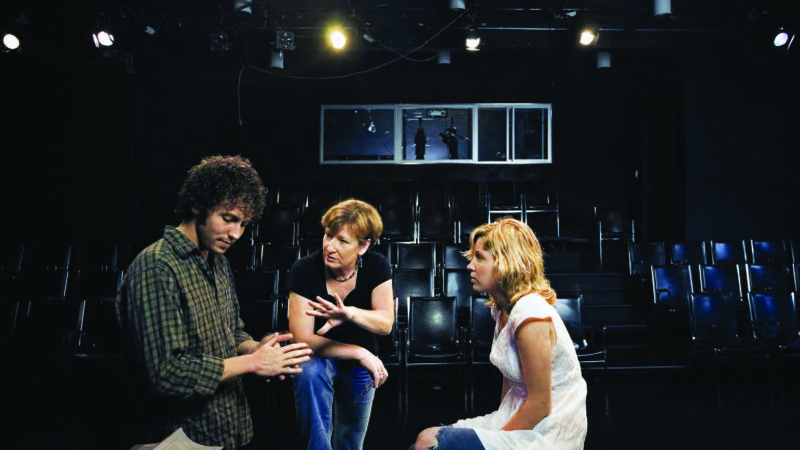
[433,193]
[688,253]
[570,311]
[435,223]
[278,258]
[537,195]
[774,317]
[404,255]
[389,345]
[453,257]
[467,193]
[727,252]
[612,223]
[457,284]
[468,218]
[713,319]
[432,326]
[481,330]
[321,197]
[411,283]
[259,304]
[368,191]
[290,194]
[722,280]
[399,222]
[643,255]
[769,252]
[770,278]
[280,224]
[672,286]
[397,193]
[254,285]
[95,284]
[262,317]
[503,195]
[796,277]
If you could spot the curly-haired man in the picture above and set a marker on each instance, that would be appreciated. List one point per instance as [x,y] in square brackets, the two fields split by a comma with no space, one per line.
[185,344]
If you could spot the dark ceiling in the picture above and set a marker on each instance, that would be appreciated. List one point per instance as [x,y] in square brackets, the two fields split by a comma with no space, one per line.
[399,26]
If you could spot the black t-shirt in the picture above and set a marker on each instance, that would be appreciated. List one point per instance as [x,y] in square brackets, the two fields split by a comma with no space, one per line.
[307,279]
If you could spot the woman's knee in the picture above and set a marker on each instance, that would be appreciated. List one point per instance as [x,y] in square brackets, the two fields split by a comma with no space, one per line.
[427,439]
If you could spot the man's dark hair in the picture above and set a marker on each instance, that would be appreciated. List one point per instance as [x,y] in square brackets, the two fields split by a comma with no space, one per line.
[227,181]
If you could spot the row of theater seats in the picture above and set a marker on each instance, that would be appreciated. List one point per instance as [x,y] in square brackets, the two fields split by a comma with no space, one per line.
[734,299]
[412,211]
[743,251]
[737,312]
[58,298]
[752,259]
[445,211]
[672,286]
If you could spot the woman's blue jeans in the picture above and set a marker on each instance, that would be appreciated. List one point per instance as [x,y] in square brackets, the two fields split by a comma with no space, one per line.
[333,401]
[451,438]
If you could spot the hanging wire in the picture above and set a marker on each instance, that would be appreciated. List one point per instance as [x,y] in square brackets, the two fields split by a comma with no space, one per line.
[401,56]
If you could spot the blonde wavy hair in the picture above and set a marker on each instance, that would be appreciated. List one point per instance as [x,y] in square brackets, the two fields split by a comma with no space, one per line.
[518,259]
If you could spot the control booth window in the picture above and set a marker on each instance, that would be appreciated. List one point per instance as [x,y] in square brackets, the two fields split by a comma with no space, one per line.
[428,134]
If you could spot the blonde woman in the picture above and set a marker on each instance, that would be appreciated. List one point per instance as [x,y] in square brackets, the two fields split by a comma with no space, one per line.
[543,400]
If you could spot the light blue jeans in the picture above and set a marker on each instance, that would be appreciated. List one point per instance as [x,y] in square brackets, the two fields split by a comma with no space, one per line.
[333,401]
[451,438]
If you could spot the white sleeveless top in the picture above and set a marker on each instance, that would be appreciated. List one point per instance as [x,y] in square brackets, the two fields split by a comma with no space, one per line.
[565,426]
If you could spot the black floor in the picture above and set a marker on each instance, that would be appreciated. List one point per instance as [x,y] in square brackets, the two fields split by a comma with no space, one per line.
[657,408]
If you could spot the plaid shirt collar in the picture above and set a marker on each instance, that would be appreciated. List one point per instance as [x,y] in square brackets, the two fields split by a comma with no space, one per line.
[181,244]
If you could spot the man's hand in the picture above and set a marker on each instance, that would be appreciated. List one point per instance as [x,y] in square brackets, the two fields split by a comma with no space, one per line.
[270,358]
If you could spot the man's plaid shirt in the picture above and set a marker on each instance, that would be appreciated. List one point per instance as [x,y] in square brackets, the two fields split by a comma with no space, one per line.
[180,317]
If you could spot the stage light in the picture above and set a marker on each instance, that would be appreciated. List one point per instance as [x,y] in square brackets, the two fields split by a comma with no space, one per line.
[457,5]
[10,42]
[443,57]
[103,38]
[473,41]
[588,36]
[337,38]
[783,39]
[14,33]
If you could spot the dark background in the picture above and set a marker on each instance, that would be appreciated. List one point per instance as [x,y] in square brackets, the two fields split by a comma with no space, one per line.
[695,136]
[692,130]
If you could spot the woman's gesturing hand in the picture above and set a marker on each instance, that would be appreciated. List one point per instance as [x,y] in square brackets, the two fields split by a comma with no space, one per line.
[336,313]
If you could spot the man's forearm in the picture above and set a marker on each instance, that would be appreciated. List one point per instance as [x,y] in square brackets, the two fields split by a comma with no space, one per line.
[237,366]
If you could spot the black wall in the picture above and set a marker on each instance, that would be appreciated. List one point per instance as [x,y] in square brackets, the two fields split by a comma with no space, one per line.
[697,141]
